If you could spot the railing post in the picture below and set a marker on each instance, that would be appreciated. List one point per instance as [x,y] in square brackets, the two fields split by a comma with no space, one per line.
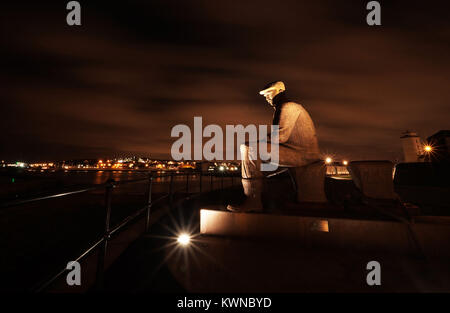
[221,182]
[201,176]
[104,248]
[171,189]
[149,201]
[211,181]
[187,183]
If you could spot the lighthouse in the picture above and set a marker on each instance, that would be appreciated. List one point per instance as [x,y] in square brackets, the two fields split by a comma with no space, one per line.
[412,147]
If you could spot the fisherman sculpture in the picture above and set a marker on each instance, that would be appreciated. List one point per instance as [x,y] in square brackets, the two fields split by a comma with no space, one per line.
[298,145]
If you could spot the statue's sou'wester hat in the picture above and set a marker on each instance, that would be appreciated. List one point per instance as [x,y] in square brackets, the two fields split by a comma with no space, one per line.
[276,85]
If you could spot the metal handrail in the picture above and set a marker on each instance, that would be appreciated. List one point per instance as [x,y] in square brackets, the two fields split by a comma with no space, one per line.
[108,232]
[63,194]
[48,282]
[115,230]
[131,217]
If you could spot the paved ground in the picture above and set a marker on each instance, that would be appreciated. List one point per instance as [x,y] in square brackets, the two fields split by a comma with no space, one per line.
[155,263]
[143,267]
[233,265]
[215,264]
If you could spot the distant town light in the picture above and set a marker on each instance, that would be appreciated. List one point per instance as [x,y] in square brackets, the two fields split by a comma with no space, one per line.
[184,239]
[345,162]
[328,160]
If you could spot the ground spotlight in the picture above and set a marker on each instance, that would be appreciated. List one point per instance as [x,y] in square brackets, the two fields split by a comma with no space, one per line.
[184,239]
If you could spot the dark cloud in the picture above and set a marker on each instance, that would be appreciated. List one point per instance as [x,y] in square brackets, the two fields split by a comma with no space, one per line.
[133,70]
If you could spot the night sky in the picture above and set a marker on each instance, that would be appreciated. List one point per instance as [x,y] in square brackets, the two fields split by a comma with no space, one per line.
[118,83]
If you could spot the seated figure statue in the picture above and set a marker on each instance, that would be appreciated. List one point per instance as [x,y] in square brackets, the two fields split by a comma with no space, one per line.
[298,145]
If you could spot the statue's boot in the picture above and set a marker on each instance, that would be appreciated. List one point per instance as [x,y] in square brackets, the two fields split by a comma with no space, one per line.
[252,190]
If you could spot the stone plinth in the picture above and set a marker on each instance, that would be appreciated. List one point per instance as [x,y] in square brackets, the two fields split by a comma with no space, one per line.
[340,233]
[373,178]
[310,181]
